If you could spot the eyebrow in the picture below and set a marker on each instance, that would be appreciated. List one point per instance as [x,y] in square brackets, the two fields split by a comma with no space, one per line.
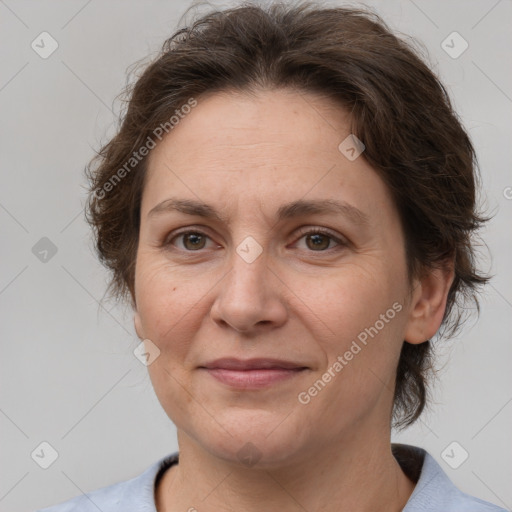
[291,210]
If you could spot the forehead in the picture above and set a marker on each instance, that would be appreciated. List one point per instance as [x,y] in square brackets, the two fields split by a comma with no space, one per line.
[247,123]
[276,145]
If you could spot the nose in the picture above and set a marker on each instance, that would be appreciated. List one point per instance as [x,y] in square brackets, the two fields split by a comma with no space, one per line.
[250,297]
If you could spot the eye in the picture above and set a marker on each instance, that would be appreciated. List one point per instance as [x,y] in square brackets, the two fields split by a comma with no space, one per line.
[319,240]
[192,240]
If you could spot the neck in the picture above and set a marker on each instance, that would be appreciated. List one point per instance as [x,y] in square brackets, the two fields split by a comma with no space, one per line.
[360,475]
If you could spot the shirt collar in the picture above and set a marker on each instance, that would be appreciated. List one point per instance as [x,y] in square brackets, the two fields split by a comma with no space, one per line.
[416,463]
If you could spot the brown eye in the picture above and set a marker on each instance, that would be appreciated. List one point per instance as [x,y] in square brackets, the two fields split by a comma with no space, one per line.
[318,241]
[190,241]
[193,241]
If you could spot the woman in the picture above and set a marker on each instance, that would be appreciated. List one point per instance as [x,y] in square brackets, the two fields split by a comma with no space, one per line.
[288,207]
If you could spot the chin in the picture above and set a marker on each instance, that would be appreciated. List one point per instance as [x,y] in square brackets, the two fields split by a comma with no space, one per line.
[256,443]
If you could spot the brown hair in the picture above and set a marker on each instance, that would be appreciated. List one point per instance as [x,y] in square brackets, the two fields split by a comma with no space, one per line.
[399,109]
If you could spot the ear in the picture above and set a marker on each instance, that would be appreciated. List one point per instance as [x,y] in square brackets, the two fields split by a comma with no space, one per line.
[138,325]
[428,303]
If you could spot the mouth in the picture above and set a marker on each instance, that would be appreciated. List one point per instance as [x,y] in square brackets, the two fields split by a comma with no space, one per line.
[252,373]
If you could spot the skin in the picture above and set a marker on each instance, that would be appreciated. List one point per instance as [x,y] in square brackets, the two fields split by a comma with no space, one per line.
[246,155]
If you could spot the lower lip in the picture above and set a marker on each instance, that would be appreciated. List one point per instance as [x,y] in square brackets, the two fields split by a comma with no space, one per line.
[252,379]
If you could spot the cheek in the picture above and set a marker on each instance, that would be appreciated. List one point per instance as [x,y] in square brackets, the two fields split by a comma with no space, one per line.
[360,369]
[365,316]
[353,297]
[169,308]
[168,305]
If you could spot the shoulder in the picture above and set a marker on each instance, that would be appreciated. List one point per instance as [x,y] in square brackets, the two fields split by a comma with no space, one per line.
[435,491]
[136,494]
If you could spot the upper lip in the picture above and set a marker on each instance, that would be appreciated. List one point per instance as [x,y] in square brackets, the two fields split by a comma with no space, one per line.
[231,363]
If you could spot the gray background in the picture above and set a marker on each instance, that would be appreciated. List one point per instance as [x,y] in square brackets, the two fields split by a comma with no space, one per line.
[69,376]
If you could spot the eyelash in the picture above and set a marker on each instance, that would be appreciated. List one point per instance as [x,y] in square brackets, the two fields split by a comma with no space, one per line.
[302,232]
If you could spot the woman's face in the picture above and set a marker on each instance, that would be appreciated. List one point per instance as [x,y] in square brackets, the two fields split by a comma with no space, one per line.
[240,273]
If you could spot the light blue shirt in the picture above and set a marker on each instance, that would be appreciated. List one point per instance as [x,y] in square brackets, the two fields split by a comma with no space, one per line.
[434,491]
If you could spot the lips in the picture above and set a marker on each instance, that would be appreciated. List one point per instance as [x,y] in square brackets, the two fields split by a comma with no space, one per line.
[230,363]
[252,373]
